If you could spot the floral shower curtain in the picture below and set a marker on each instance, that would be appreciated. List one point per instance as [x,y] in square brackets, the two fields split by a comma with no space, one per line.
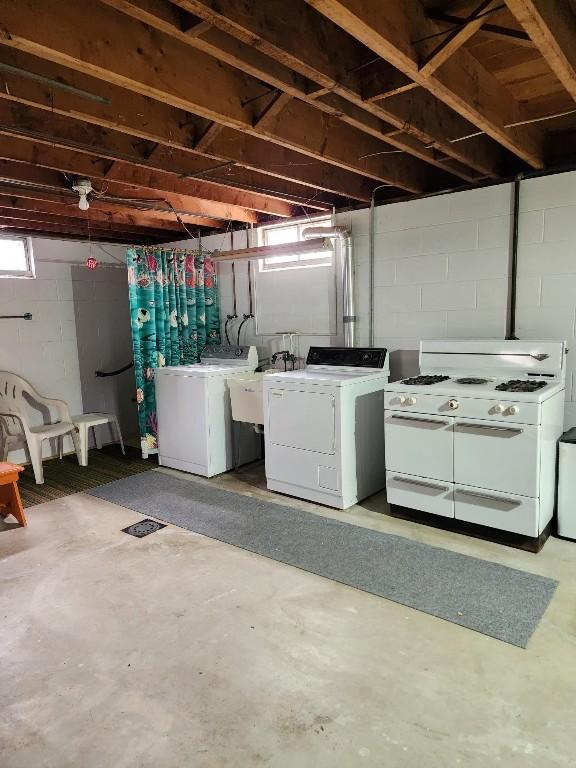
[174,313]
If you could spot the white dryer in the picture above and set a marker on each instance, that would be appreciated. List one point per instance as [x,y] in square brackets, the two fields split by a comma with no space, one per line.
[193,408]
[323,428]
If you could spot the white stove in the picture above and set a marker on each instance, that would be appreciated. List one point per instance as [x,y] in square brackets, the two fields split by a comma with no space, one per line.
[474,436]
[323,426]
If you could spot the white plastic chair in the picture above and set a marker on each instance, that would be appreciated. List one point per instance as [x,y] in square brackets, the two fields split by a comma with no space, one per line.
[16,397]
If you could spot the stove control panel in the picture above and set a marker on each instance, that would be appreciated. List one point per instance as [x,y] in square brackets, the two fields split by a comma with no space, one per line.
[354,357]
[464,408]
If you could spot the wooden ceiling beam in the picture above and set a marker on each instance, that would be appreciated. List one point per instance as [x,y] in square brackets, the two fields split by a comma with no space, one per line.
[292,34]
[258,163]
[118,49]
[135,182]
[75,224]
[63,203]
[552,28]
[461,83]
[161,15]
[492,31]
[67,209]
[38,229]
[45,179]
[162,172]
[456,38]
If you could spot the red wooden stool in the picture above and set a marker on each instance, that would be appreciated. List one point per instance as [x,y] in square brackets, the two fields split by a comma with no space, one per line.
[9,494]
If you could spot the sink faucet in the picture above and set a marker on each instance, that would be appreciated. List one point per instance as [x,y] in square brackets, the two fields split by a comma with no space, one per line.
[286,356]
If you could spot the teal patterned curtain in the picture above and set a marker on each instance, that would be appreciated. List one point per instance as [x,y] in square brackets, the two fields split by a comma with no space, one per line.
[174,312]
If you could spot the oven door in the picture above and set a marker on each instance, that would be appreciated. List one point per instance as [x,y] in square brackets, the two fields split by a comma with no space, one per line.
[419,445]
[497,456]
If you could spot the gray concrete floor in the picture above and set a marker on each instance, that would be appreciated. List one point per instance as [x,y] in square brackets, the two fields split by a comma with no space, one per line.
[176,650]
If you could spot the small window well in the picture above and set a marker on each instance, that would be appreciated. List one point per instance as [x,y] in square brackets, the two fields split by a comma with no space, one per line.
[16,258]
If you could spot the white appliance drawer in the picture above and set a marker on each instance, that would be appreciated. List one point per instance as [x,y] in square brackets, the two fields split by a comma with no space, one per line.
[419,444]
[305,420]
[497,456]
[505,511]
[419,493]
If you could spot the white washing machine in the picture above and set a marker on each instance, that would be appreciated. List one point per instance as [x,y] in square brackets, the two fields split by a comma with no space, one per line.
[324,426]
[194,417]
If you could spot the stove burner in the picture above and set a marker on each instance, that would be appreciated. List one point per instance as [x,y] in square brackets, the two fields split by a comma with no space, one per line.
[425,380]
[471,380]
[520,385]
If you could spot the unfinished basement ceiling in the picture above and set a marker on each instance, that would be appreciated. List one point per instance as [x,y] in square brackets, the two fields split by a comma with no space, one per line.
[200,115]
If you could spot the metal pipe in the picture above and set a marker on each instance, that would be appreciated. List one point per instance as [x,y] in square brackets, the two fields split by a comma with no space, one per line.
[344,237]
[513,274]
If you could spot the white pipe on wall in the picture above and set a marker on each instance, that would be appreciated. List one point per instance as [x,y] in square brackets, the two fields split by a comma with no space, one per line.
[344,237]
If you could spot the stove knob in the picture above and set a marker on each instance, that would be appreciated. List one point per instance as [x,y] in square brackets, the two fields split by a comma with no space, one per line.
[498,408]
[513,410]
[402,400]
[453,404]
[410,401]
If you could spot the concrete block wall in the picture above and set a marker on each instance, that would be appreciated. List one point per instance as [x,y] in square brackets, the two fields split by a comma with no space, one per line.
[547,268]
[441,270]
[48,351]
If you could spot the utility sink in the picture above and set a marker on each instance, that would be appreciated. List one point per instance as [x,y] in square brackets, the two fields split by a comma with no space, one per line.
[246,396]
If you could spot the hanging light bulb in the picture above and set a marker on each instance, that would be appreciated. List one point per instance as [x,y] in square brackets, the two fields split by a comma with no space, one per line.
[83,187]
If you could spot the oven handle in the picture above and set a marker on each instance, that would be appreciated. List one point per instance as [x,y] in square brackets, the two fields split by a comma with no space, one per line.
[401,417]
[419,482]
[488,497]
[471,425]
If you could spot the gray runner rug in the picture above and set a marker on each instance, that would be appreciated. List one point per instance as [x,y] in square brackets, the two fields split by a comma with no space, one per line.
[498,601]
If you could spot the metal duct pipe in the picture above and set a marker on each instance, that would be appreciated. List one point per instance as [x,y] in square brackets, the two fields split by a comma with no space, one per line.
[344,237]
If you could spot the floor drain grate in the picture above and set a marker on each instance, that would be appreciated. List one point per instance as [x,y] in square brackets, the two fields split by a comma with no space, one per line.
[143,528]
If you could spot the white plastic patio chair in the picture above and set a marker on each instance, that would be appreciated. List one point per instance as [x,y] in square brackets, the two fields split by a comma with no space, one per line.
[17,396]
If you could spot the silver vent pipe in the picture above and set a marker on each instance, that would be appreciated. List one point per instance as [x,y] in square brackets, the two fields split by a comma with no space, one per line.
[344,237]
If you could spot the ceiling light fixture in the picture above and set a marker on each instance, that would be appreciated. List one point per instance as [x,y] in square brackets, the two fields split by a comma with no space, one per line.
[83,187]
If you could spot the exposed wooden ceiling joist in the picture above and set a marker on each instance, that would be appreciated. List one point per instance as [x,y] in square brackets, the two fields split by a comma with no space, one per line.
[148,210]
[39,229]
[456,38]
[26,198]
[66,145]
[161,15]
[292,34]
[98,214]
[72,223]
[493,31]
[118,49]
[258,164]
[461,83]
[552,28]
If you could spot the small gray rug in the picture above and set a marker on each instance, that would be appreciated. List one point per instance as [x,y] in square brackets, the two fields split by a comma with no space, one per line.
[498,601]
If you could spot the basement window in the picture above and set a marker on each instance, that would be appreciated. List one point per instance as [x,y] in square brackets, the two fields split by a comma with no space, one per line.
[16,259]
[280,234]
